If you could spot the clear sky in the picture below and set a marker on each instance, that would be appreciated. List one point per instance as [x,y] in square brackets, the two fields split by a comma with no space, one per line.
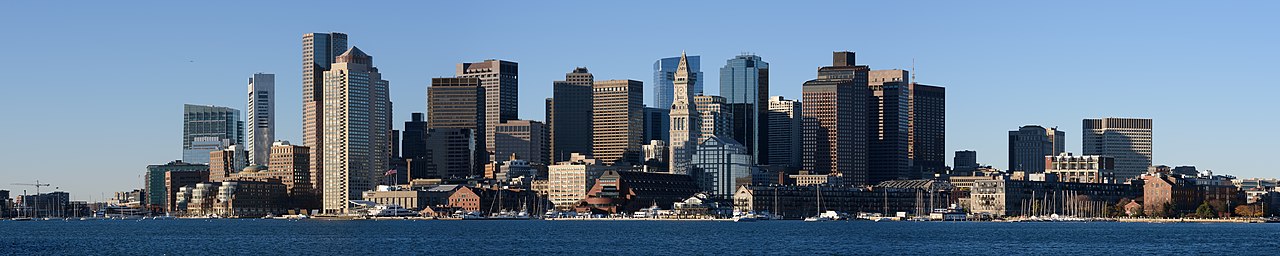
[93,90]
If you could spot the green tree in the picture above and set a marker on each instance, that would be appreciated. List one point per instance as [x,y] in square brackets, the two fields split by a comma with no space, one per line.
[1166,210]
[1205,211]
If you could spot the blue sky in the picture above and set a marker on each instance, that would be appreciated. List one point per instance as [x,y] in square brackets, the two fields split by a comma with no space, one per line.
[94,90]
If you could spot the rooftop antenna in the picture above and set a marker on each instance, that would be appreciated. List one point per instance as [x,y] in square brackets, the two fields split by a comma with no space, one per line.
[913,69]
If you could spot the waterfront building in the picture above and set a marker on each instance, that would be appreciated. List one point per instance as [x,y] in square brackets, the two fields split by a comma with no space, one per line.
[890,145]
[250,199]
[500,81]
[627,192]
[657,124]
[262,117]
[815,179]
[208,124]
[53,204]
[569,114]
[290,164]
[836,112]
[784,129]
[491,201]
[155,185]
[176,179]
[720,166]
[1167,194]
[716,118]
[685,119]
[664,77]
[915,197]
[1082,169]
[357,113]
[617,122]
[319,50]
[1030,144]
[744,83]
[525,139]
[1126,139]
[1043,195]
[226,162]
[568,182]
[928,129]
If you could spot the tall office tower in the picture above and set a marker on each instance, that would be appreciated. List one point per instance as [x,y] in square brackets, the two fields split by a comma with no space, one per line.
[685,119]
[262,109]
[837,110]
[455,122]
[784,132]
[664,75]
[1030,144]
[357,121]
[293,160]
[965,162]
[928,134]
[721,165]
[744,83]
[224,163]
[500,80]
[1126,139]
[528,140]
[617,123]
[890,154]
[318,52]
[414,139]
[569,115]
[209,125]
[656,124]
[715,115]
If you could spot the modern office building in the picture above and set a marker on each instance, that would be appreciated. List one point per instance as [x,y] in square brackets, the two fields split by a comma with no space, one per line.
[500,81]
[744,83]
[715,115]
[414,138]
[837,114]
[209,124]
[262,117]
[965,162]
[617,122]
[1126,139]
[928,129]
[655,156]
[569,181]
[664,75]
[455,119]
[1030,144]
[685,119]
[784,132]
[569,114]
[1082,169]
[657,124]
[890,145]
[527,140]
[155,181]
[224,163]
[451,153]
[318,53]
[292,164]
[357,120]
[720,166]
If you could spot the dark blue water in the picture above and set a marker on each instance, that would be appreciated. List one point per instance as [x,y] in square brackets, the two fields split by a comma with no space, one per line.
[311,237]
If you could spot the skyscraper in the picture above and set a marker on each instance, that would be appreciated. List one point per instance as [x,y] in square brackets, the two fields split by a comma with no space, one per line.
[318,52]
[720,166]
[209,128]
[784,132]
[1126,139]
[1030,144]
[414,139]
[837,114]
[356,129]
[664,72]
[526,139]
[291,160]
[262,117]
[500,80]
[455,121]
[715,115]
[685,119]
[570,115]
[744,83]
[965,162]
[617,121]
[928,129]
[657,125]
[890,154]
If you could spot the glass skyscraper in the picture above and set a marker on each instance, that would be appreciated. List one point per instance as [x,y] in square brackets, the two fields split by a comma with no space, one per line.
[664,72]
[744,84]
[211,125]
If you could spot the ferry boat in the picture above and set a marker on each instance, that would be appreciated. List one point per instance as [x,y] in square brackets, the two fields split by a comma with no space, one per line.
[391,210]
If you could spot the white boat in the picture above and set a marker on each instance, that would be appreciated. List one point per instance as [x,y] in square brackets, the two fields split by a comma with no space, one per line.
[817,219]
[391,210]
[745,218]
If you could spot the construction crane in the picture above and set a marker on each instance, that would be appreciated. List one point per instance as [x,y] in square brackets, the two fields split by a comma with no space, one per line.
[37,185]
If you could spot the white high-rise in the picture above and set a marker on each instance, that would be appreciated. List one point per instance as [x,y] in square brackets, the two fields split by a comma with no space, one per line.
[357,111]
[262,117]
[1126,139]
[685,121]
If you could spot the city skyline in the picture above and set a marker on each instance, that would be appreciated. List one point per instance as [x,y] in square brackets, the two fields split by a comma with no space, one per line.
[212,73]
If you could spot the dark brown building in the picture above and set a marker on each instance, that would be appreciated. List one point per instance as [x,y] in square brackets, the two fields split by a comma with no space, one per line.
[836,120]
[490,201]
[627,192]
[174,180]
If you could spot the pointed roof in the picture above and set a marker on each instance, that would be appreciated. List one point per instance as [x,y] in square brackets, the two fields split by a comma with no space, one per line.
[354,55]
[354,51]
[683,67]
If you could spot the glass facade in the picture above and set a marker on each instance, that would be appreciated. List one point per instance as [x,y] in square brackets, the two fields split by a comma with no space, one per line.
[744,83]
[208,123]
[720,166]
[664,71]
